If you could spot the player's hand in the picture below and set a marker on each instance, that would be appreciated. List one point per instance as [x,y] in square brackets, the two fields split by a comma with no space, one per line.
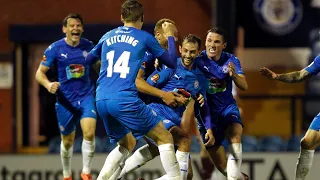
[231,69]
[170,29]
[180,99]
[170,99]
[53,87]
[210,140]
[268,73]
[200,100]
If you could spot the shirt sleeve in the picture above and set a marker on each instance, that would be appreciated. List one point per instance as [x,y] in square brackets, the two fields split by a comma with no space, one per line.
[314,67]
[153,46]
[49,56]
[237,65]
[96,51]
[160,78]
[91,58]
[148,61]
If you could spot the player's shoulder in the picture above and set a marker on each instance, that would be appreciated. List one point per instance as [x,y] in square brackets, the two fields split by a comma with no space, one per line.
[229,56]
[202,55]
[53,47]
[86,42]
[142,34]
[108,34]
[57,44]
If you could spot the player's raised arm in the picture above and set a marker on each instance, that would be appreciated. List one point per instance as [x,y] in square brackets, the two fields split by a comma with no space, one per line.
[169,58]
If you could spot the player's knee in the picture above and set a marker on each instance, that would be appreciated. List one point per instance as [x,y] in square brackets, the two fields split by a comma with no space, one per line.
[67,144]
[165,138]
[307,143]
[88,135]
[68,140]
[128,142]
[184,140]
[235,139]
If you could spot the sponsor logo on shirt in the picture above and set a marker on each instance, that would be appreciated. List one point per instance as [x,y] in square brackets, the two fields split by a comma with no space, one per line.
[75,71]
[155,78]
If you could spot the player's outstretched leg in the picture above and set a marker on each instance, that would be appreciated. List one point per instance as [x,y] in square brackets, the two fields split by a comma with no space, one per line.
[66,152]
[117,157]
[88,126]
[307,147]
[164,140]
[140,157]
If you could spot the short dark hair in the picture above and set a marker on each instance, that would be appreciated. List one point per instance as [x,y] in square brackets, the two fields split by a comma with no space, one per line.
[219,31]
[72,16]
[192,39]
[158,25]
[132,11]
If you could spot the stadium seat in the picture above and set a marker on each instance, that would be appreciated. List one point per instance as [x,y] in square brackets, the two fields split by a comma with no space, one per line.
[54,145]
[249,143]
[272,144]
[107,146]
[294,143]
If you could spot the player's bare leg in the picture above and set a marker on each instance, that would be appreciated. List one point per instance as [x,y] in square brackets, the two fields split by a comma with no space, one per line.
[308,144]
[66,152]
[218,156]
[88,126]
[116,158]
[164,140]
[233,134]
[207,164]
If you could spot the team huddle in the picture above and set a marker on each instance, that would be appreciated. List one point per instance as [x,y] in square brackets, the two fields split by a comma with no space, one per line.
[147,90]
